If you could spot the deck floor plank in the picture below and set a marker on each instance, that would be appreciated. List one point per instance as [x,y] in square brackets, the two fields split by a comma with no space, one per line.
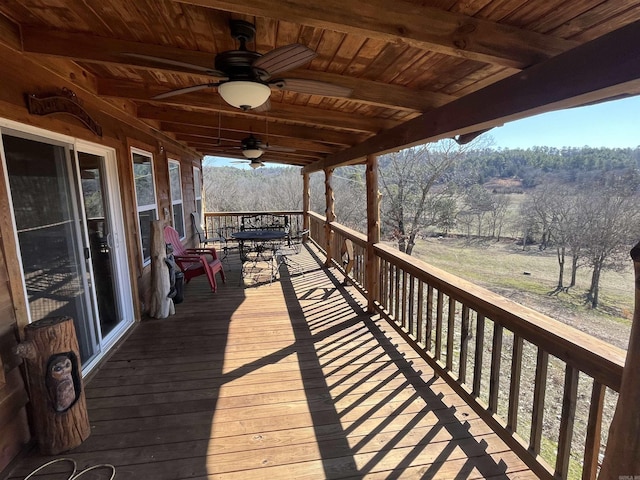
[289,379]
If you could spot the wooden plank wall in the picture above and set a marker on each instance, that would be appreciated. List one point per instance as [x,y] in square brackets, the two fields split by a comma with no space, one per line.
[22,74]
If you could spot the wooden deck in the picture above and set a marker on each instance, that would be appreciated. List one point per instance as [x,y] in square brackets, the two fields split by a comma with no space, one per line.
[278,381]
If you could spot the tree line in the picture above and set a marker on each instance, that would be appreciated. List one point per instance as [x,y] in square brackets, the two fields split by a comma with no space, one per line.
[581,202]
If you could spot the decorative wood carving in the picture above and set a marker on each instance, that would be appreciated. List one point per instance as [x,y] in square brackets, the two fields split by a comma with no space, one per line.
[57,401]
[62,101]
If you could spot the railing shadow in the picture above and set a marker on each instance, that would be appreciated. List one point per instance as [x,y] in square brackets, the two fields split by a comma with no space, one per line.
[386,398]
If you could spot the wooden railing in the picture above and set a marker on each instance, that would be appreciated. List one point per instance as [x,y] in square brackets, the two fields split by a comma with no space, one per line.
[225,223]
[316,230]
[340,234]
[538,383]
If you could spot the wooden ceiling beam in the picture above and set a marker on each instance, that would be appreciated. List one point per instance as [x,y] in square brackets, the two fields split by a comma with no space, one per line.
[279,111]
[233,143]
[423,27]
[10,34]
[90,48]
[606,67]
[236,137]
[271,157]
[175,115]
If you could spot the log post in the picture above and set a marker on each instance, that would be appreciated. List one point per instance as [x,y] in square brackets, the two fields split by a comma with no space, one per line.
[330,214]
[621,459]
[57,401]
[373,231]
[161,305]
[306,204]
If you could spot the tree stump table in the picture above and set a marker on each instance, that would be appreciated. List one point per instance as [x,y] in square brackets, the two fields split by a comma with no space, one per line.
[57,400]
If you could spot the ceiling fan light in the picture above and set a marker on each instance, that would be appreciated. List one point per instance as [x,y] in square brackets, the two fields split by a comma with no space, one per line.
[244,94]
[252,153]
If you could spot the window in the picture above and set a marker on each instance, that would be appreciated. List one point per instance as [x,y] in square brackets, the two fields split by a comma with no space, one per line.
[145,198]
[175,185]
[197,188]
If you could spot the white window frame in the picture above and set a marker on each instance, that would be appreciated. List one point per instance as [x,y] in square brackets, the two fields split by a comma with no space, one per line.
[197,191]
[144,208]
[177,203]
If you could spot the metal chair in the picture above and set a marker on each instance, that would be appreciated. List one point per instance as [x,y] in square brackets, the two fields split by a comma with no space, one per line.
[293,247]
[204,240]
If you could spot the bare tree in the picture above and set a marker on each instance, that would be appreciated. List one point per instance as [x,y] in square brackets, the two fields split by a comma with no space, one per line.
[409,179]
[613,225]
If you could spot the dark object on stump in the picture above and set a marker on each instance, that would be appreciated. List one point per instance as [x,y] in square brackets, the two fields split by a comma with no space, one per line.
[57,401]
[176,277]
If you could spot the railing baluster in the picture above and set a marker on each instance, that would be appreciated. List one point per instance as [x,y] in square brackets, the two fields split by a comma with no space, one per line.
[594,426]
[450,331]
[464,345]
[439,313]
[382,287]
[403,304]
[477,369]
[566,422]
[539,388]
[397,295]
[411,304]
[494,376]
[429,320]
[420,313]
[514,387]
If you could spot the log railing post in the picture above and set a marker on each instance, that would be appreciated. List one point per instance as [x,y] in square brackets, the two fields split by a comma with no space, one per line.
[621,459]
[373,231]
[330,214]
[306,203]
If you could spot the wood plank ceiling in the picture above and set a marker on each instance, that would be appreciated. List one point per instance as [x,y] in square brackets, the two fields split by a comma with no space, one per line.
[418,70]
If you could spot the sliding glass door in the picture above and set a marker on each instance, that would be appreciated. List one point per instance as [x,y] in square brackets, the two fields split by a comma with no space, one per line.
[69,227]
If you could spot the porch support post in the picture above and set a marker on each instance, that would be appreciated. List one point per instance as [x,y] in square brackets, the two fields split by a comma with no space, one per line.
[306,200]
[621,458]
[373,231]
[330,214]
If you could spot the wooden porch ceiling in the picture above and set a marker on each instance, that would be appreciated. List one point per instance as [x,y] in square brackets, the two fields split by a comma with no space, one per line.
[288,380]
[418,71]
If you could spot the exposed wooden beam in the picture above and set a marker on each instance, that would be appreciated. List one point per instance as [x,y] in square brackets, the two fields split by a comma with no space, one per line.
[235,138]
[10,34]
[281,140]
[167,114]
[603,68]
[402,21]
[199,142]
[283,112]
[90,48]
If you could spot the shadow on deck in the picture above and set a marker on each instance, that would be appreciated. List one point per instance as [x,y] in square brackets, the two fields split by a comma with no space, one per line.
[284,380]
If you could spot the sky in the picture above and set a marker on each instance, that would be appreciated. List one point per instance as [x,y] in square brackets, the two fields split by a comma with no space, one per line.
[614,124]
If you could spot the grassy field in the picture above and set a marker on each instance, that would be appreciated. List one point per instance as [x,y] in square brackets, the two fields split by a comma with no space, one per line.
[501,266]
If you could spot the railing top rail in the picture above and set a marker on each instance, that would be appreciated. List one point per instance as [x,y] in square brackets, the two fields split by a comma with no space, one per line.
[317,216]
[254,212]
[596,358]
[353,235]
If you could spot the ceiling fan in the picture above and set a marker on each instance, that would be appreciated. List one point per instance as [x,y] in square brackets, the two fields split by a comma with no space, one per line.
[255,163]
[253,148]
[245,76]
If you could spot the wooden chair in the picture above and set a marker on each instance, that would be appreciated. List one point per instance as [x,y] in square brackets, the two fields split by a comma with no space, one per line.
[195,261]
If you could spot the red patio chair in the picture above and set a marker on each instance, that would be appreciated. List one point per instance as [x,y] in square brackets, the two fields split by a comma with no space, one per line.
[195,261]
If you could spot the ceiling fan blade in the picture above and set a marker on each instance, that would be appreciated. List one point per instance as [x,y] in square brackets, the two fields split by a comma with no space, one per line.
[265,107]
[283,58]
[312,87]
[167,61]
[181,91]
